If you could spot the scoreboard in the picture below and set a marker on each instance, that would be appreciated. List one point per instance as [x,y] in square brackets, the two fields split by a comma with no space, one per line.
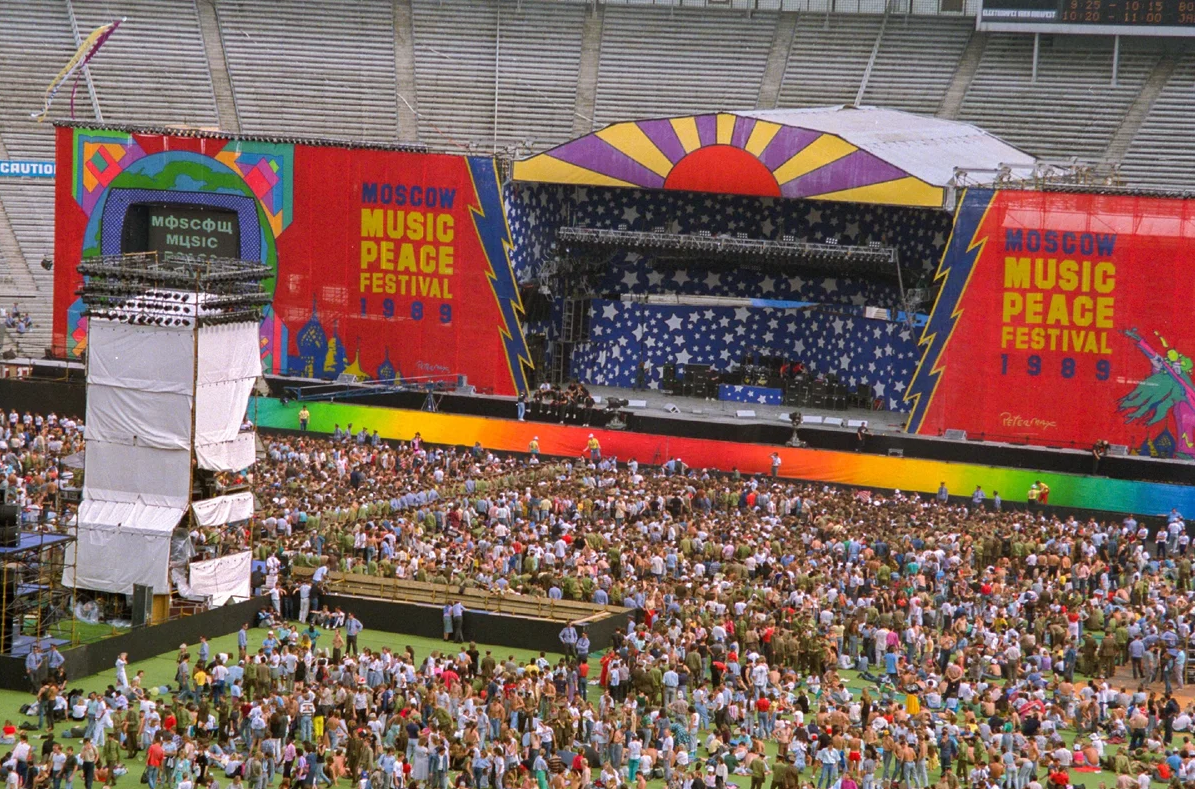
[1123,17]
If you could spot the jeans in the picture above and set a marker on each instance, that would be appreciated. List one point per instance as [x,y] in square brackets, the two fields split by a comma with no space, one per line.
[829,775]
[522,409]
[152,774]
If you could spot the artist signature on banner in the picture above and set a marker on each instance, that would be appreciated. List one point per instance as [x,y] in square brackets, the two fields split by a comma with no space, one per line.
[1009,419]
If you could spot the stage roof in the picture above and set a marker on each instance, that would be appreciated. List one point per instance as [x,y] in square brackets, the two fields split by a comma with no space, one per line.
[850,154]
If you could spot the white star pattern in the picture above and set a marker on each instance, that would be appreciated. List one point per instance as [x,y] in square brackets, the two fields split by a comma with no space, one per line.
[883,354]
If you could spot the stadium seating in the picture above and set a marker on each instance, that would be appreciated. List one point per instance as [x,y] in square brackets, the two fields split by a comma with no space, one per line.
[485,75]
[1163,152]
[154,69]
[455,74]
[317,67]
[916,61]
[828,59]
[1072,109]
[27,70]
[657,62]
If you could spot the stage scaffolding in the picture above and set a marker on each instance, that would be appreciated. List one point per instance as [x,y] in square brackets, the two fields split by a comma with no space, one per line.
[32,596]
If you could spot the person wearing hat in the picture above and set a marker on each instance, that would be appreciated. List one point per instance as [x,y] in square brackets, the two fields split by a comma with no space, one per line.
[533,448]
[594,448]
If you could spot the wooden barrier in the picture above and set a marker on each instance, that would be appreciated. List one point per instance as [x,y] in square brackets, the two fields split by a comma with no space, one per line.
[424,593]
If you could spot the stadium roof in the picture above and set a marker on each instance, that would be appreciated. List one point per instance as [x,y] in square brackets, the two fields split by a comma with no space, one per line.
[850,154]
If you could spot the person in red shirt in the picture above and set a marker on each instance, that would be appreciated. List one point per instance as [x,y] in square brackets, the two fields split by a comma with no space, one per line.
[583,677]
[153,761]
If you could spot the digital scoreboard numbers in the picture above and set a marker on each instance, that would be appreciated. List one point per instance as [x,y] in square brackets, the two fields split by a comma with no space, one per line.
[1126,17]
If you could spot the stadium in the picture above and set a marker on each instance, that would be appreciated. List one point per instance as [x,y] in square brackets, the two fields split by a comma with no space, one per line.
[530,394]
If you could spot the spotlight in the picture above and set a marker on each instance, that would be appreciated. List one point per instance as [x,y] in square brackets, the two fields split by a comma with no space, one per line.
[47,263]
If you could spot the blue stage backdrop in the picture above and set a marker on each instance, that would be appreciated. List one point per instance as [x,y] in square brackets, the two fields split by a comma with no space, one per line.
[865,352]
[832,338]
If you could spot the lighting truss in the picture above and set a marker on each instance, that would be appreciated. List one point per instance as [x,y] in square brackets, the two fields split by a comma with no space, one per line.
[173,289]
[735,250]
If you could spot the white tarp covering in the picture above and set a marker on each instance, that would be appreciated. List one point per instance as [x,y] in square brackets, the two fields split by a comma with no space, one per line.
[240,453]
[145,358]
[224,509]
[117,472]
[222,579]
[229,352]
[143,385]
[121,544]
[139,385]
[130,518]
[128,416]
[229,365]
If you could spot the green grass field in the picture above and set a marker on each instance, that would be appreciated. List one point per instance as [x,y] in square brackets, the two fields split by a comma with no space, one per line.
[159,671]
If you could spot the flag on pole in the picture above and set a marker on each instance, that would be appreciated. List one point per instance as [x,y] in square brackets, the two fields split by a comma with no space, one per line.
[82,56]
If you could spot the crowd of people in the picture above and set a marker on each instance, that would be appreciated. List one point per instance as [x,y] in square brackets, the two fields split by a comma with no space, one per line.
[789,634]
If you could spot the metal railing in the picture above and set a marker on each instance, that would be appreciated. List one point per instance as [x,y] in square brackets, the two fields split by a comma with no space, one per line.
[963,8]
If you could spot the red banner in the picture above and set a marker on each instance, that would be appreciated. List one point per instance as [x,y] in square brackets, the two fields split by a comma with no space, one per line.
[1064,319]
[388,264]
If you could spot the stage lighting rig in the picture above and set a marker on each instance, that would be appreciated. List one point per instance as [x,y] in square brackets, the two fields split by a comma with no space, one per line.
[830,255]
[146,289]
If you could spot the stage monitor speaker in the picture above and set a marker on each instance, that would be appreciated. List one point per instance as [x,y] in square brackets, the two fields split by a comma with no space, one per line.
[955,434]
[143,605]
[895,453]
[672,409]
[744,413]
[1118,450]
[10,525]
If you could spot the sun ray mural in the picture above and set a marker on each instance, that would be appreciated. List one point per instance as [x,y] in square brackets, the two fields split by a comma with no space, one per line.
[785,153]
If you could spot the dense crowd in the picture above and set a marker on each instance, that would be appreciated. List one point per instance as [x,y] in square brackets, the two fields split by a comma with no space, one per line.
[791,634]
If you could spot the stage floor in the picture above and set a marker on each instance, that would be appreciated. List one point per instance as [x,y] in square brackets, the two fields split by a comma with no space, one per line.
[721,410]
